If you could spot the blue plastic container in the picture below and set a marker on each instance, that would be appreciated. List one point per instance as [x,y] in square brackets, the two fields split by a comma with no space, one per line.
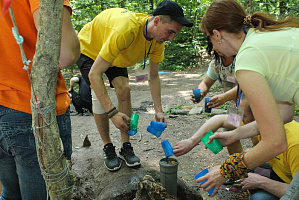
[168,150]
[197,94]
[156,128]
[202,173]
[207,109]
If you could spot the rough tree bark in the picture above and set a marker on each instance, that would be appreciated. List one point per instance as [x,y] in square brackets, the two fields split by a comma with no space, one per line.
[249,7]
[54,166]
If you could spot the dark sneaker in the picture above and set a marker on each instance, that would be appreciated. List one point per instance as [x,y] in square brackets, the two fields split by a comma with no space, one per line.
[126,153]
[111,161]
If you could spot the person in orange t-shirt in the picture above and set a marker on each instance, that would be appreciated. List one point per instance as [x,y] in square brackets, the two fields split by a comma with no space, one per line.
[20,172]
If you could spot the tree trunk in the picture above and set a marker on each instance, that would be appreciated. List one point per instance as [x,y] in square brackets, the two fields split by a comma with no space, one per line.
[249,7]
[55,168]
[152,5]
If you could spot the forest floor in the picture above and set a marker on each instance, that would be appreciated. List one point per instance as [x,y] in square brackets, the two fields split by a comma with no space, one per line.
[176,89]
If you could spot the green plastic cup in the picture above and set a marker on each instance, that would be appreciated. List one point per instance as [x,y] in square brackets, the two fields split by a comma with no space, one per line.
[134,122]
[214,146]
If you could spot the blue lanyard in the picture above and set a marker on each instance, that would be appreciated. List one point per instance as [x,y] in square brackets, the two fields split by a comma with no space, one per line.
[238,100]
[244,30]
[146,54]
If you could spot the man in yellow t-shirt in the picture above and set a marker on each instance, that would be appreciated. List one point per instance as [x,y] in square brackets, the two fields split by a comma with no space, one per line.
[111,42]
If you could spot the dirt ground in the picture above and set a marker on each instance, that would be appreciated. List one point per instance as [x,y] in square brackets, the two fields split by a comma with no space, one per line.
[176,88]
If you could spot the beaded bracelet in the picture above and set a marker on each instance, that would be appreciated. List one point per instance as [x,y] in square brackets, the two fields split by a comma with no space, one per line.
[234,167]
[112,113]
[111,110]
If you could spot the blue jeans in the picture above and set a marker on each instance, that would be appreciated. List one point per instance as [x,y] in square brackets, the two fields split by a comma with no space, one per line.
[20,172]
[260,194]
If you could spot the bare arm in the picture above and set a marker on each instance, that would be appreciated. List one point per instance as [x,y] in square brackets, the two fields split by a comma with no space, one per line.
[70,46]
[256,181]
[206,84]
[155,88]
[213,124]
[220,99]
[267,116]
[251,129]
[100,65]
[246,131]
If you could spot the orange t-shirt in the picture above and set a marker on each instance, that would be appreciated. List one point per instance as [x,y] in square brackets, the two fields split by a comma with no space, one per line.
[15,88]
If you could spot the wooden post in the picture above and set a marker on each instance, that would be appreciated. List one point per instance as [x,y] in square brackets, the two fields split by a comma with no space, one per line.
[55,168]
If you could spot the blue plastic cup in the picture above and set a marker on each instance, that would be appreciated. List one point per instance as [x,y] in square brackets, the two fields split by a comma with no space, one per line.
[167,148]
[207,109]
[131,133]
[201,174]
[156,128]
[197,94]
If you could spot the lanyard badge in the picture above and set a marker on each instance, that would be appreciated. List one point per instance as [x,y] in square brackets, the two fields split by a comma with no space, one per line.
[235,111]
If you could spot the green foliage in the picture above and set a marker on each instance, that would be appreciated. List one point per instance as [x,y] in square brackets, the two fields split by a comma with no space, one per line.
[225,105]
[274,7]
[179,56]
[85,10]
[168,110]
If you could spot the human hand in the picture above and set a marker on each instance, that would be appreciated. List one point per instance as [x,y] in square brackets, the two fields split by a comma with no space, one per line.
[160,117]
[217,100]
[193,98]
[225,138]
[214,179]
[253,181]
[120,121]
[182,147]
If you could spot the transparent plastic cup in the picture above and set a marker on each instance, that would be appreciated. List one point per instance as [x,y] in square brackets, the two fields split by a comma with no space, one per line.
[156,128]
[167,148]
[197,94]
[207,109]
[133,125]
[201,174]
[214,146]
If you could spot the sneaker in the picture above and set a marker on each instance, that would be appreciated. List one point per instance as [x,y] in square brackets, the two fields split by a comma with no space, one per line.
[112,163]
[126,153]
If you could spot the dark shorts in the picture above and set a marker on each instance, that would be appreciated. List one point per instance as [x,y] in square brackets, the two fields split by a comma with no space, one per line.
[84,63]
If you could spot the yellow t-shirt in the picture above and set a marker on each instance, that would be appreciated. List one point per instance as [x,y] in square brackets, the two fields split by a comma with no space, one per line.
[286,164]
[117,36]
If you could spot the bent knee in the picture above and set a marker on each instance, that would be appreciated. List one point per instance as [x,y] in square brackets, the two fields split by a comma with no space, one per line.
[123,93]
